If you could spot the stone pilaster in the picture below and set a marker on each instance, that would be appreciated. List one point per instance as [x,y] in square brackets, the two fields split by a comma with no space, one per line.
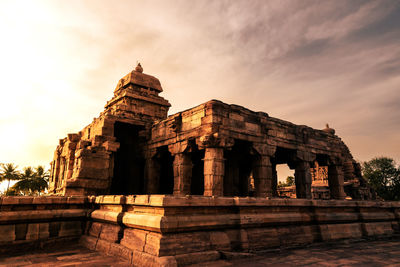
[274,181]
[152,176]
[262,174]
[303,180]
[182,173]
[56,174]
[214,170]
[336,181]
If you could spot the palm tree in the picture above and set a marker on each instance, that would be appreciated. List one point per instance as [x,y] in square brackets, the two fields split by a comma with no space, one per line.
[32,181]
[9,172]
[25,181]
[41,181]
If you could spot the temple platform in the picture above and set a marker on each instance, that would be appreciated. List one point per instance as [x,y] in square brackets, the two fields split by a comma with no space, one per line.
[167,230]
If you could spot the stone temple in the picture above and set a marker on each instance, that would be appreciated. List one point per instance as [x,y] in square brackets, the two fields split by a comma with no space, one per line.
[214,149]
[196,186]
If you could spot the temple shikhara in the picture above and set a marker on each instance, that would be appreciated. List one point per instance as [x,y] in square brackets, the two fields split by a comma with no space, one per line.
[213,149]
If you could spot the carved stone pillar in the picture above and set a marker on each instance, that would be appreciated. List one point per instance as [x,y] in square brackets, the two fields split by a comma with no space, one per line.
[336,181]
[214,169]
[152,176]
[303,180]
[262,174]
[182,174]
[274,181]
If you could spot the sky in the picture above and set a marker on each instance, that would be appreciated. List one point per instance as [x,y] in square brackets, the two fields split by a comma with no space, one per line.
[308,62]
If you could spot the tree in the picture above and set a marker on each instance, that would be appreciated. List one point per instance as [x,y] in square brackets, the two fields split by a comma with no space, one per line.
[12,192]
[25,181]
[289,182]
[8,173]
[32,181]
[383,176]
[41,181]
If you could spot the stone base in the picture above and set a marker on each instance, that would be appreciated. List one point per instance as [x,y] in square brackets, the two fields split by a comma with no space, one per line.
[28,223]
[159,230]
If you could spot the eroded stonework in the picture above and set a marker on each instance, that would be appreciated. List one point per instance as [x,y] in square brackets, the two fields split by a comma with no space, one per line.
[214,149]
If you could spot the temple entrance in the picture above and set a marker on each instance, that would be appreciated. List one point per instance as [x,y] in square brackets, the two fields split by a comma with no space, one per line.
[197,183]
[165,161]
[128,174]
[239,162]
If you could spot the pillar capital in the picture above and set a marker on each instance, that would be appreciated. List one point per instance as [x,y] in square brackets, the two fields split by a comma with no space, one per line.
[335,161]
[214,141]
[306,156]
[264,149]
[184,146]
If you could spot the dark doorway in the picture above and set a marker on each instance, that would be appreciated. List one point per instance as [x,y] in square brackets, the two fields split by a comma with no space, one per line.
[197,183]
[165,161]
[238,169]
[128,176]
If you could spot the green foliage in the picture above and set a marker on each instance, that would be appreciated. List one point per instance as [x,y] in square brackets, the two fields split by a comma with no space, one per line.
[32,182]
[383,176]
[12,192]
[289,182]
[9,173]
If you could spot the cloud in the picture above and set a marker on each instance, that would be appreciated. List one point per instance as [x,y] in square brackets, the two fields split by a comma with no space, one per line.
[309,62]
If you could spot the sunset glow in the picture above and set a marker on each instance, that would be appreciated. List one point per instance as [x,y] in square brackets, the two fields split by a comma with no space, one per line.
[308,62]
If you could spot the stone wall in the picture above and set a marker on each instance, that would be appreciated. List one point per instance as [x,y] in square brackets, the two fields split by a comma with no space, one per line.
[157,230]
[243,147]
[31,222]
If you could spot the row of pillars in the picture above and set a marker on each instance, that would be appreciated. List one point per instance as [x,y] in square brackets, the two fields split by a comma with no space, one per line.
[214,170]
[303,180]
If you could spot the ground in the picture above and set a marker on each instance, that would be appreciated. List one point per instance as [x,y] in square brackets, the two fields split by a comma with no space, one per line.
[362,253]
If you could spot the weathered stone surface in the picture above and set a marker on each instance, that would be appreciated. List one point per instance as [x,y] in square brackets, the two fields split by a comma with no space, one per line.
[134,239]
[340,231]
[110,233]
[95,229]
[37,231]
[259,239]
[378,228]
[73,228]
[88,242]
[7,233]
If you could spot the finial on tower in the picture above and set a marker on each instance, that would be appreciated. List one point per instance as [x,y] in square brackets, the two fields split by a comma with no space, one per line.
[139,68]
[329,130]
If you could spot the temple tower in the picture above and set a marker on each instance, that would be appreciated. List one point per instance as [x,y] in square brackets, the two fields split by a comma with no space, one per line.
[107,155]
